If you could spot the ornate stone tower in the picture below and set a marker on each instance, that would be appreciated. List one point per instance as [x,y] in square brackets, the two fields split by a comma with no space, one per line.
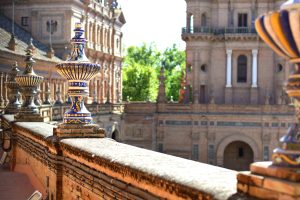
[161,98]
[225,55]
[199,20]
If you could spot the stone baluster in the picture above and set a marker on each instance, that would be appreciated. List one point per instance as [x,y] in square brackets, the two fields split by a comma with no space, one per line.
[95,95]
[1,90]
[14,104]
[37,98]
[6,100]
[47,93]
[58,96]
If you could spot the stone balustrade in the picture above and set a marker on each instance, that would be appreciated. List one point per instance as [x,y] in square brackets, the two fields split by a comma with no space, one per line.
[102,168]
[209,108]
[3,89]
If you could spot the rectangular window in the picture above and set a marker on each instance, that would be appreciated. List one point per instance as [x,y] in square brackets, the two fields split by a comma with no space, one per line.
[242,69]
[160,147]
[275,125]
[211,152]
[202,94]
[195,152]
[203,123]
[266,153]
[242,20]
[24,21]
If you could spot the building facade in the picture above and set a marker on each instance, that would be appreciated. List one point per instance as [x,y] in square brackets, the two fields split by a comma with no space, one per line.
[226,60]
[238,110]
[52,23]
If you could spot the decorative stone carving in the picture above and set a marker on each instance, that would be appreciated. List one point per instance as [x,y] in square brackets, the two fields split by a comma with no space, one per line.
[266,138]
[161,98]
[267,99]
[14,104]
[28,82]
[31,46]
[211,136]
[12,43]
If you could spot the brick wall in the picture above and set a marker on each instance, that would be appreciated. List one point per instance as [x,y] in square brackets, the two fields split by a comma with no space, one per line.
[105,169]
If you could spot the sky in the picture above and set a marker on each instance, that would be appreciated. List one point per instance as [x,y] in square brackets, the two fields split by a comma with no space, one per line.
[158,21]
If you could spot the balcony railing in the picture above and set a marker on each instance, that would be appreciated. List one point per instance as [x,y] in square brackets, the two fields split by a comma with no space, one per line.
[219,31]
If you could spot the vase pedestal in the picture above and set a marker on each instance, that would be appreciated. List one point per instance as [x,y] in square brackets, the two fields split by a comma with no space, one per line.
[30,117]
[78,131]
[266,181]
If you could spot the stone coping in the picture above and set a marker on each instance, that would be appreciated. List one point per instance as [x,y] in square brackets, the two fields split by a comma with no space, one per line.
[216,181]
[41,129]
[8,118]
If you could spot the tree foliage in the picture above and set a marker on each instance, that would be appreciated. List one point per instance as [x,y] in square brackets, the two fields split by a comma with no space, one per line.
[141,71]
[140,82]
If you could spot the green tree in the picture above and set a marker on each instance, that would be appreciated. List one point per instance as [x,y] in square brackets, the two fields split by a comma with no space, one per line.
[141,70]
[143,55]
[140,83]
[173,60]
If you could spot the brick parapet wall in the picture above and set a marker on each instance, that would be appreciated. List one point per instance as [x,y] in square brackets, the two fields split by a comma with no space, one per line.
[103,168]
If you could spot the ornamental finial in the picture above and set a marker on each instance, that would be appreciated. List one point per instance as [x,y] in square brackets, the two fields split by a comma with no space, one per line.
[78,45]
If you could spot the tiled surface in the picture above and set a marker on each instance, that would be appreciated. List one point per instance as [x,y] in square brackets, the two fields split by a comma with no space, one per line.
[22,40]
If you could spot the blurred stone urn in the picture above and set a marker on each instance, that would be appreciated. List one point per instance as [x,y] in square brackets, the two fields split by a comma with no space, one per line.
[14,94]
[28,83]
[281,31]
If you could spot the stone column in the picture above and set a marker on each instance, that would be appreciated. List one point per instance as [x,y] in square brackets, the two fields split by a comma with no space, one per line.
[229,68]
[196,79]
[101,37]
[91,35]
[95,92]
[87,30]
[254,68]
[5,90]
[228,87]
[1,90]
[98,91]
[254,86]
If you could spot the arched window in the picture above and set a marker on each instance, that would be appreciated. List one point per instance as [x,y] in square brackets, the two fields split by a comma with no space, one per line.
[203,20]
[242,69]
